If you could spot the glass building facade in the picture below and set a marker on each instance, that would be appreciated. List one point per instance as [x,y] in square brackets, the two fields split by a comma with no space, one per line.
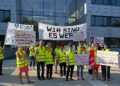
[55,12]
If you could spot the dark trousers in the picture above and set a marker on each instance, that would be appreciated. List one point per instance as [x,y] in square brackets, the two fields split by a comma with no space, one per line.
[1,62]
[32,61]
[70,70]
[49,70]
[40,65]
[103,67]
[63,69]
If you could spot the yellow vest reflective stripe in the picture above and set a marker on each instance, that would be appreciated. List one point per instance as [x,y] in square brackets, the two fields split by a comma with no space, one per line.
[70,56]
[23,61]
[62,56]
[1,53]
[41,54]
[32,51]
[49,58]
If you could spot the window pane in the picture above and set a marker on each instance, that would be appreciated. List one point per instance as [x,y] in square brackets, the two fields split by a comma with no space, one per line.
[99,21]
[100,2]
[92,20]
[118,2]
[60,20]
[49,6]
[1,16]
[105,22]
[113,2]
[93,1]
[48,20]
[113,20]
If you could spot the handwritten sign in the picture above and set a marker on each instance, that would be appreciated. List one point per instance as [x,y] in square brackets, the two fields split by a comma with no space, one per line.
[25,38]
[81,59]
[50,32]
[20,35]
[108,58]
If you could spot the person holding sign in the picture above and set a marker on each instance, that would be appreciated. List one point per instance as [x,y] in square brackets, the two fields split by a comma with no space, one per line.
[95,66]
[56,57]
[81,50]
[105,69]
[70,62]
[1,58]
[62,60]
[22,64]
[32,54]
[40,59]
[49,61]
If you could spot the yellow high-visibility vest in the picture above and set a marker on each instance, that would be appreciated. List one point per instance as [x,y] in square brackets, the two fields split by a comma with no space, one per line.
[70,57]
[22,62]
[41,54]
[32,51]
[57,53]
[49,57]
[62,56]
[1,53]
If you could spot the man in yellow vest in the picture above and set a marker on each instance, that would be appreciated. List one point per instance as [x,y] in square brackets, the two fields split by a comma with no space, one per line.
[62,60]
[1,59]
[40,59]
[31,55]
[70,63]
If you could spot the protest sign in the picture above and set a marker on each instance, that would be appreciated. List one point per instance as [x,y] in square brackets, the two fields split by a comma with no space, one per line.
[81,59]
[108,58]
[25,38]
[50,32]
[99,40]
[20,35]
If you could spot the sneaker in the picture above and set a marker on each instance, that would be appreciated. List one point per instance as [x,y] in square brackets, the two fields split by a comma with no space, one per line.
[82,78]
[30,82]
[66,80]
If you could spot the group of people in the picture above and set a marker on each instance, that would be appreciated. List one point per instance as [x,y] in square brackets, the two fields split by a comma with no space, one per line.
[44,55]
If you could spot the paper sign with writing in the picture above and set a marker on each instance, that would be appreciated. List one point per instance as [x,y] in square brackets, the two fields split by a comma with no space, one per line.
[109,58]
[81,59]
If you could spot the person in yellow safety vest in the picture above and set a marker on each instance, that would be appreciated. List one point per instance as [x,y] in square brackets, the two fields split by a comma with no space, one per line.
[56,57]
[62,60]
[49,61]
[81,50]
[104,67]
[22,64]
[31,55]
[70,63]
[40,56]
[1,58]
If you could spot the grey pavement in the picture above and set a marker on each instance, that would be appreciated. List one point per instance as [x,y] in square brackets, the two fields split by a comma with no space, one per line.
[11,78]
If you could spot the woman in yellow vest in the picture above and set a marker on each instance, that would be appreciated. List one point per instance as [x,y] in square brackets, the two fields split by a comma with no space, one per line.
[81,50]
[49,61]
[104,67]
[62,60]
[1,59]
[22,64]
[70,62]
[31,55]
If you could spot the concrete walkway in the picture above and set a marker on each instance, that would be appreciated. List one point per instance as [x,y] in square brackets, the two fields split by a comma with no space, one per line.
[11,78]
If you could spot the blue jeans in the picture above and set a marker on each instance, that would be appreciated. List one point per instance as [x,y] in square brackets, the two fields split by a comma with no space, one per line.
[80,70]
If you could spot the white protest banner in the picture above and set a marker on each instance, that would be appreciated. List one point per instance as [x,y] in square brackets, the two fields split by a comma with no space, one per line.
[50,32]
[12,29]
[81,59]
[15,26]
[25,38]
[108,58]
[99,40]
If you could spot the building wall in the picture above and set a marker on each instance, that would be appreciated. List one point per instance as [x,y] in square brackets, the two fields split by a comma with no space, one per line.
[102,10]
[5,6]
